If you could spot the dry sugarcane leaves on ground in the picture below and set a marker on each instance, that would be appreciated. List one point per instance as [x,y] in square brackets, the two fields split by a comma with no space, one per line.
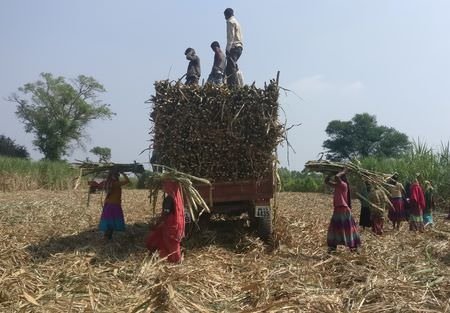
[62,264]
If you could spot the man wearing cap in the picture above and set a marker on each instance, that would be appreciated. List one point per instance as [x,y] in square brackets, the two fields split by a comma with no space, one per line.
[233,49]
[193,71]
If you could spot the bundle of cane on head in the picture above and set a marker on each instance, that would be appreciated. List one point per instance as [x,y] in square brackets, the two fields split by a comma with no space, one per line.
[93,168]
[103,172]
[375,179]
[193,201]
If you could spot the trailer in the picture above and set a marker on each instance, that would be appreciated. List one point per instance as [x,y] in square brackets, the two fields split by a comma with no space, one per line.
[247,196]
[225,135]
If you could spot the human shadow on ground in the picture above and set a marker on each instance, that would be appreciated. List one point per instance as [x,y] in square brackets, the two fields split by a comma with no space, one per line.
[91,242]
[226,233]
[233,234]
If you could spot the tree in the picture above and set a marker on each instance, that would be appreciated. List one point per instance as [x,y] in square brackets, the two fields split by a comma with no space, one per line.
[8,147]
[57,112]
[103,153]
[300,181]
[362,137]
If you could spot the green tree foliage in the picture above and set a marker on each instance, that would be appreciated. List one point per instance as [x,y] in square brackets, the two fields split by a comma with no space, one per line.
[363,137]
[103,153]
[296,181]
[57,112]
[9,148]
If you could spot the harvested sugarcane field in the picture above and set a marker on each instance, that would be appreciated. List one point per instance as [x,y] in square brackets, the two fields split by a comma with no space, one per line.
[178,157]
[54,259]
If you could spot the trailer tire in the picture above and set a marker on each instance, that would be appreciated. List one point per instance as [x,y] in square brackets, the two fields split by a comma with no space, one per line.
[265,227]
[203,221]
[252,219]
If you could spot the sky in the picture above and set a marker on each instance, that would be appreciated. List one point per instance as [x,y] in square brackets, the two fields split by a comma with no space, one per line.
[388,58]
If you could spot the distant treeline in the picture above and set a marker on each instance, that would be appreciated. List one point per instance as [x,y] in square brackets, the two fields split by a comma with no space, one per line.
[434,165]
[296,181]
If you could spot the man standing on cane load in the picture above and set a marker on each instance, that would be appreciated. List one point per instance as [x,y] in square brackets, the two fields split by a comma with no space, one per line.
[233,50]
[193,71]
[218,69]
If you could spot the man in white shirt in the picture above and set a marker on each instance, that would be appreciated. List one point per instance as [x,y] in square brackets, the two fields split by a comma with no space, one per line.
[233,50]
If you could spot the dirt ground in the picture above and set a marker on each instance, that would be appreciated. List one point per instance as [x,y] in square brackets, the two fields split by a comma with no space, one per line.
[53,259]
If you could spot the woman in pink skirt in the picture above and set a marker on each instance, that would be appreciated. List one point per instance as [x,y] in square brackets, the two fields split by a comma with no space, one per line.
[342,229]
[112,215]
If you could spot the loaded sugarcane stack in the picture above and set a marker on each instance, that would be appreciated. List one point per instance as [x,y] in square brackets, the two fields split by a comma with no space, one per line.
[216,132]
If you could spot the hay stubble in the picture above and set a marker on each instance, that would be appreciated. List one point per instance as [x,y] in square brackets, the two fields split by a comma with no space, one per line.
[54,260]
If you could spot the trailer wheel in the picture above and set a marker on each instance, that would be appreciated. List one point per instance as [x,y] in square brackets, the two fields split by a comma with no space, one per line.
[203,221]
[265,226]
[252,219]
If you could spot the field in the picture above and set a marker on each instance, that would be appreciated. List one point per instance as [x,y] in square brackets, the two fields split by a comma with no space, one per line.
[53,259]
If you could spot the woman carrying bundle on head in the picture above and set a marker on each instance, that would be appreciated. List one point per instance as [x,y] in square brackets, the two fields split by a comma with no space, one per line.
[377,201]
[416,206]
[112,215]
[342,229]
[397,210]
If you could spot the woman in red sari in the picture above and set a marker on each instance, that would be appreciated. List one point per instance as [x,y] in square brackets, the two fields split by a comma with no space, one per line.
[167,235]
[416,206]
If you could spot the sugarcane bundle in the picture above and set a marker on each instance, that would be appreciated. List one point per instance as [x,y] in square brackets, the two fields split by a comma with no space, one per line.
[193,201]
[376,179]
[217,132]
[88,168]
[353,167]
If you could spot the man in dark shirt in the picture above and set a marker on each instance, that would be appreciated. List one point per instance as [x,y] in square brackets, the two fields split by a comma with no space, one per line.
[193,70]
[217,72]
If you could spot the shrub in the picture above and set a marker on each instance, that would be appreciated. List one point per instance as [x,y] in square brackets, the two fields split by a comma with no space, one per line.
[9,148]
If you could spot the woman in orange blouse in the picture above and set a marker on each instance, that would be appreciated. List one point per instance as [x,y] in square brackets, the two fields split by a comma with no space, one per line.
[112,218]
